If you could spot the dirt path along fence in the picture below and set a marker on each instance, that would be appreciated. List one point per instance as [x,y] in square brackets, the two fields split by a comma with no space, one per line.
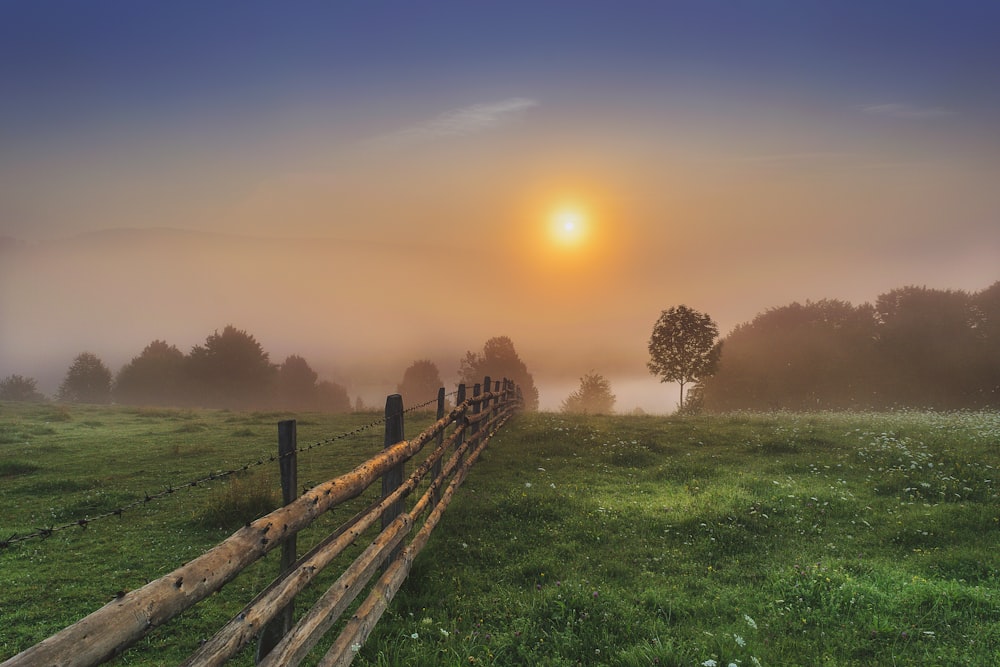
[457,438]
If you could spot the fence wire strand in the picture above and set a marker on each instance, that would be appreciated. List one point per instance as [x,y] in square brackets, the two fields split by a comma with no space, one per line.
[170,489]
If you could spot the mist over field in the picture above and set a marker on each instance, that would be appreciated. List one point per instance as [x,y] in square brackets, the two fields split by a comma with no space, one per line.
[359,311]
[364,207]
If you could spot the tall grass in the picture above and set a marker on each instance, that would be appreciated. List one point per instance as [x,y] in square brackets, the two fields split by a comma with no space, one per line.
[245,498]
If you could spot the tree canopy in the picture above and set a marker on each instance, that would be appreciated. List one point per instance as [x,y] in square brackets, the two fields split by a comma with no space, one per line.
[296,384]
[594,397]
[499,360]
[421,382]
[155,377]
[88,380]
[332,397]
[683,347]
[231,370]
[20,388]
[797,357]
[915,347]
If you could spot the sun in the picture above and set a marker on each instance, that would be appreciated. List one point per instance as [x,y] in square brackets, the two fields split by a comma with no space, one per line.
[568,227]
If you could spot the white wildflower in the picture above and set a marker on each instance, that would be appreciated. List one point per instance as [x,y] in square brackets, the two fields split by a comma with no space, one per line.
[355,647]
[414,636]
[709,663]
[752,623]
[740,641]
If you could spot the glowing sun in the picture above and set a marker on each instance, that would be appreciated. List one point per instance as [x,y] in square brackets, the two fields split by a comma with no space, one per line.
[568,227]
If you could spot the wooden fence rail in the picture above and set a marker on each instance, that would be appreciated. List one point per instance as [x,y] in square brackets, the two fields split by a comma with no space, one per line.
[114,627]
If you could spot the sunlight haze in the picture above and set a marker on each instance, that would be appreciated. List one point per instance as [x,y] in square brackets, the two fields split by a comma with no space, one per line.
[367,184]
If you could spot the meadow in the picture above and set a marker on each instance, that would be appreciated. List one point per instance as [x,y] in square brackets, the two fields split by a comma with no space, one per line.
[743,539]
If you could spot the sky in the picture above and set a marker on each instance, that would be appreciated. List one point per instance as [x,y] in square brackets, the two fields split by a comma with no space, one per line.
[396,178]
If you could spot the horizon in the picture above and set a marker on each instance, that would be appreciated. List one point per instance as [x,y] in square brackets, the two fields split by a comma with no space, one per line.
[589,165]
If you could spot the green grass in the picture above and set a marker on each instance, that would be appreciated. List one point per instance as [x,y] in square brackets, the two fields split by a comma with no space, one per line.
[746,539]
[774,539]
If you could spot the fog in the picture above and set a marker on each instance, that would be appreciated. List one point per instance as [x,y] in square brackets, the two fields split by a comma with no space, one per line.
[163,175]
[361,311]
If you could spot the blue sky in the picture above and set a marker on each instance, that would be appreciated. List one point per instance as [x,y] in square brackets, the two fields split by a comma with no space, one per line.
[732,155]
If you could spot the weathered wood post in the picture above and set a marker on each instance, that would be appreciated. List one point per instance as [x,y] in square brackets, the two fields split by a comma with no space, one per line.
[476,409]
[487,386]
[459,399]
[497,402]
[394,476]
[436,469]
[281,624]
[288,444]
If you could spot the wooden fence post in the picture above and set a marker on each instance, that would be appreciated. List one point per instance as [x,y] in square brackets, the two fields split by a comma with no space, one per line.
[487,386]
[281,624]
[476,409]
[394,476]
[459,399]
[436,469]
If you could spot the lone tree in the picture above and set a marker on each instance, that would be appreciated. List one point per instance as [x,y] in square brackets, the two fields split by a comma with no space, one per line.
[421,382]
[499,360]
[88,380]
[683,347]
[593,397]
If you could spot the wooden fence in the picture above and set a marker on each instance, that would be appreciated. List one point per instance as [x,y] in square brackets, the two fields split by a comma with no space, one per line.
[458,439]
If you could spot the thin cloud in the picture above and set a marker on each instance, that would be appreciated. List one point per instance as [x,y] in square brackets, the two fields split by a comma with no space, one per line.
[460,122]
[819,156]
[907,111]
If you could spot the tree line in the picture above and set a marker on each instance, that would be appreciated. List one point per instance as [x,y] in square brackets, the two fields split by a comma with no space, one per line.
[232,371]
[915,347]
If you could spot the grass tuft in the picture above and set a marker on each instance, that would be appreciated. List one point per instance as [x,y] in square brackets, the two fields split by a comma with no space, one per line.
[241,500]
[16,468]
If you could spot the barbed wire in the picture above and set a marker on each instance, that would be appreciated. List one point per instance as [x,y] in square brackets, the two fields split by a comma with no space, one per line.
[42,533]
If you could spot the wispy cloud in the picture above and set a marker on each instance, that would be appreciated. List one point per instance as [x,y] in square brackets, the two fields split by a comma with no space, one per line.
[775,158]
[464,121]
[907,111]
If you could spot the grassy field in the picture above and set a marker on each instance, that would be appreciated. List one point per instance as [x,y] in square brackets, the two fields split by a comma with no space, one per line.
[745,539]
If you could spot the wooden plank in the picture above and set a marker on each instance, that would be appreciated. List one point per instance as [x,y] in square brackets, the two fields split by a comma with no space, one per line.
[120,623]
[111,629]
[342,653]
[239,631]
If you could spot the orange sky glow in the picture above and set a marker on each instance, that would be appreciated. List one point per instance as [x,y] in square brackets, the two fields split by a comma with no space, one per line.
[366,209]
